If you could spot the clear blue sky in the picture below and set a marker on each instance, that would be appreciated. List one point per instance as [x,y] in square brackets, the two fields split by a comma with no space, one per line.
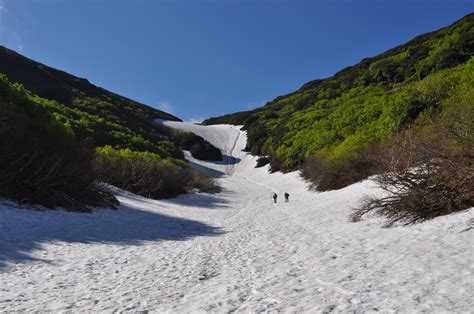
[202,58]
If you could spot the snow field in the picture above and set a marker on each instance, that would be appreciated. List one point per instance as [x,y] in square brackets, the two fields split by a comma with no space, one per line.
[234,251]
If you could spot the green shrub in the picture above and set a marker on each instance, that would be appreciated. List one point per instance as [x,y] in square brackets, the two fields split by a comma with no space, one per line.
[41,161]
[148,174]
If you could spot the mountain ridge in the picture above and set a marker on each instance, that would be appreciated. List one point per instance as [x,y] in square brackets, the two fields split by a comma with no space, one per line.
[51,83]
[313,83]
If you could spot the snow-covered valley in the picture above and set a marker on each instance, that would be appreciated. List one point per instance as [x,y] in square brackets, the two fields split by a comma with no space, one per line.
[234,251]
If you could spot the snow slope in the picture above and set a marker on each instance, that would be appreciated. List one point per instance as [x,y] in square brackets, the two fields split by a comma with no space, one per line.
[234,251]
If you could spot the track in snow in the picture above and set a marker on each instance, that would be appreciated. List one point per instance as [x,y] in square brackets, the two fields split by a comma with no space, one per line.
[235,251]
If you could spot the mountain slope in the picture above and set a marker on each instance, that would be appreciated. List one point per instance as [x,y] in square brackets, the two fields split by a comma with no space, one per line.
[91,112]
[111,139]
[362,104]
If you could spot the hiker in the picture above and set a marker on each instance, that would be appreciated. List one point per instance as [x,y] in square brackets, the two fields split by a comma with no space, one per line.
[274,195]
[287,197]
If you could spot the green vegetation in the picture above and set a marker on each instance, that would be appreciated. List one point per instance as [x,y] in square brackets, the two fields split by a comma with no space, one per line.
[148,174]
[41,160]
[355,158]
[105,130]
[91,112]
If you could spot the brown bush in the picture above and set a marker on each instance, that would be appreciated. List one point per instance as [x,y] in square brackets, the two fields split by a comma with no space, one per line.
[203,182]
[429,170]
[38,174]
[326,174]
[277,164]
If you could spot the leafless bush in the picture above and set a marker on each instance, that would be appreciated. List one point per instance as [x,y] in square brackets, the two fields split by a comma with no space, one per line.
[37,174]
[203,182]
[429,171]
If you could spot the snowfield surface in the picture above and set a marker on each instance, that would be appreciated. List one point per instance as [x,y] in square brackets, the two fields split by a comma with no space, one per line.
[234,251]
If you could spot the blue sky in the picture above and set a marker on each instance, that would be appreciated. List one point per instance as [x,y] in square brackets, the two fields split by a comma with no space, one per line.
[198,59]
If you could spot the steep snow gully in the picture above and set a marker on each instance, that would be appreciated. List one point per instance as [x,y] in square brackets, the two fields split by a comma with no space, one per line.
[234,251]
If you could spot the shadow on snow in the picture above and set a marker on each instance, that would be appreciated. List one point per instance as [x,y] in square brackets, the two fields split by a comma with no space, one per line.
[212,172]
[203,200]
[227,160]
[198,200]
[23,231]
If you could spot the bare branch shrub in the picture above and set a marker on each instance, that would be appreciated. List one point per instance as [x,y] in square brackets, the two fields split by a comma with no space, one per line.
[39,173]
[203,182]
[428,170]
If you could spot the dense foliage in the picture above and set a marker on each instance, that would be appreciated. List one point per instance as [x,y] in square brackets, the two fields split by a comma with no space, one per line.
[92,112]
[346,165]
[102,130]
[41,161]
[148,174]
[48,145]
[336,118]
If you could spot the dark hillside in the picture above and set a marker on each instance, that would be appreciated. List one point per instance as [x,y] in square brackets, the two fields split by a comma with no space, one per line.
[92,112]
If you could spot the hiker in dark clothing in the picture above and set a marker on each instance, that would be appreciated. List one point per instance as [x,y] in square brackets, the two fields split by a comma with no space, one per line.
[274,195]
[287,197]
